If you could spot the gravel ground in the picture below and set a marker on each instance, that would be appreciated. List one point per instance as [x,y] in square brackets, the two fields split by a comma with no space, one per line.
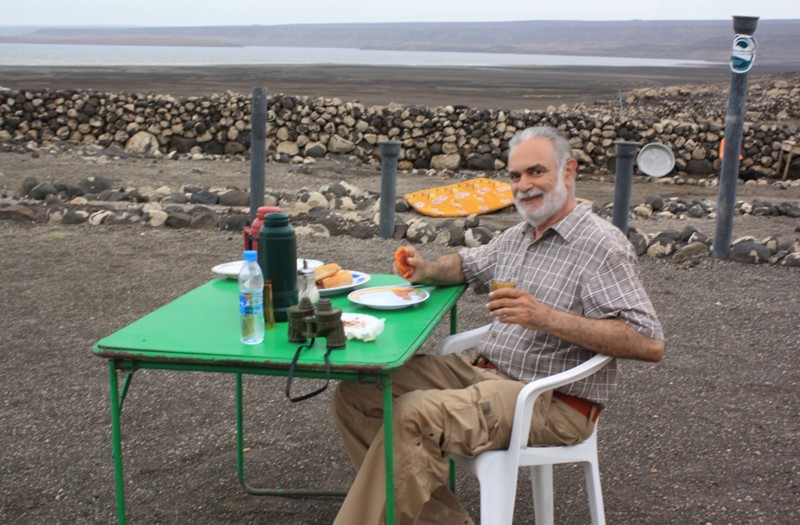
[708,436]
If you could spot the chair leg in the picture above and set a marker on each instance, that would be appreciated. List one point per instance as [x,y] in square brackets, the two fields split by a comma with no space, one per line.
[542,485]
[498,490]
[595,492]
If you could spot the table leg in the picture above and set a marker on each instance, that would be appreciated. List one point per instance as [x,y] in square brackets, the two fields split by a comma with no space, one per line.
[453,330]
[287,493]
[116,440]
[125,386]
[453,320]
[239,435]
[388,442]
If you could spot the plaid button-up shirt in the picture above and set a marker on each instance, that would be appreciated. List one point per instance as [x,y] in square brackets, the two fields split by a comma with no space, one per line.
[583,265]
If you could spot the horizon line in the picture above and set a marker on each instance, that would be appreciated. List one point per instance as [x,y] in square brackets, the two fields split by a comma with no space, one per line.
[416,22]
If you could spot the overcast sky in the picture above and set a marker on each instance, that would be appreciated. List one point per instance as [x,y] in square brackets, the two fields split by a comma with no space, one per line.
[272,12]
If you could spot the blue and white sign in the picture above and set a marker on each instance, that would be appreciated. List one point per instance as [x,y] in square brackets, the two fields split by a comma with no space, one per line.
[744,53]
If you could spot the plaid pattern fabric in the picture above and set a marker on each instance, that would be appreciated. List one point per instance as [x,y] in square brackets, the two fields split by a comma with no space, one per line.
[583,265]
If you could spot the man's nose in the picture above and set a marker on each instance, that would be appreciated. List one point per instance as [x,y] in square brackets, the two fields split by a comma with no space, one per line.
[526,182]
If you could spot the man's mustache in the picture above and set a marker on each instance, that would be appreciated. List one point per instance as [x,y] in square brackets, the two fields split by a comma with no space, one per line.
[528,194]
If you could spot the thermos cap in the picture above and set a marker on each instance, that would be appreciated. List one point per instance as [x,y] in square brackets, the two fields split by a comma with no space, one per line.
[276,219]
[263,211]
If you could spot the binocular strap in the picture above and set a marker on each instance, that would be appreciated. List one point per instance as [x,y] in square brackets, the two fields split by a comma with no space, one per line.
[292,367]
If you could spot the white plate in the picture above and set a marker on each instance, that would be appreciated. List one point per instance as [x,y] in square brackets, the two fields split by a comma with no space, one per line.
[231,269]
[655,160]
[312,263]
[358,279]
[389,297]
[228,269]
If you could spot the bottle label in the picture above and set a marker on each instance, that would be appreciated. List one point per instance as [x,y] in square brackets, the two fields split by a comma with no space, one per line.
[251,304]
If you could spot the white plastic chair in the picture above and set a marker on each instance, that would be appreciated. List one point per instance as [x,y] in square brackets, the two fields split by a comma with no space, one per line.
[497,470]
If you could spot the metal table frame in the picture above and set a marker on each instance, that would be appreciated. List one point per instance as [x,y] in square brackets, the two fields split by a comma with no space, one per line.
[129,360]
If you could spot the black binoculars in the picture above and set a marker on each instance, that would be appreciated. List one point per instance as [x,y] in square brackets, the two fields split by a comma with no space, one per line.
[307,322]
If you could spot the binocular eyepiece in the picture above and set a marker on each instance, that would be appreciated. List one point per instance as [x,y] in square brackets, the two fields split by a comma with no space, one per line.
[306,322]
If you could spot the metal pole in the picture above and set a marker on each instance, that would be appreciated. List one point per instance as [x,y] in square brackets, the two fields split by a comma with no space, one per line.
[741,61]
[258,149]
[623,179]
[390,149]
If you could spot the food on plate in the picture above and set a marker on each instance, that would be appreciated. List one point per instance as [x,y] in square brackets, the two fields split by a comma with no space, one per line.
[401,261]
[362,327]
[340,278]
[326,270]
[331,275]
[404,293]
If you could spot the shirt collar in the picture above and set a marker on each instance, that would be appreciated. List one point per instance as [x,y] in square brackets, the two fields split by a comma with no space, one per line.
[565,227]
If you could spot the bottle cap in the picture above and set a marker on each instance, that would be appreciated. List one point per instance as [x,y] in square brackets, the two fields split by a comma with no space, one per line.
[262,211]
[250,255]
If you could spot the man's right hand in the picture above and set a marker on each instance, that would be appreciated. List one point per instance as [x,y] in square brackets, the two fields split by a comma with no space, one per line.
[406,263]
[443,271]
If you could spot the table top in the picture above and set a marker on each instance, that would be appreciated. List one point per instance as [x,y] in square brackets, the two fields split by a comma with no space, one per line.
[202,326]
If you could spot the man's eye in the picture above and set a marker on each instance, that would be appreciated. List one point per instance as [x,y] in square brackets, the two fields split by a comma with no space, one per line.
[514,177]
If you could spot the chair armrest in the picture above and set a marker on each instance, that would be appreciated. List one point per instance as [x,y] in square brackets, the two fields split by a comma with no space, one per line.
[462,341]
[523,412]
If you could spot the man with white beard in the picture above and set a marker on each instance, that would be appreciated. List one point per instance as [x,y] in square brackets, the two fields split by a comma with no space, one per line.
[577,293]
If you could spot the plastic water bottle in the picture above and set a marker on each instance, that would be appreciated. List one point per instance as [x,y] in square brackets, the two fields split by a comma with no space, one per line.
[251,299]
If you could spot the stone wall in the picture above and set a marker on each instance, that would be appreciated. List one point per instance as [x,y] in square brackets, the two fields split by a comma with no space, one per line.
[688,119]
[345,209]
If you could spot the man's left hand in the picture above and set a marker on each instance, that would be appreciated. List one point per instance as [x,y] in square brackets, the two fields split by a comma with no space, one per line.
[512,305]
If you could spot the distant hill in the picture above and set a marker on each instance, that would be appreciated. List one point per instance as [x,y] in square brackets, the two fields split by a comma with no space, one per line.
[779,40]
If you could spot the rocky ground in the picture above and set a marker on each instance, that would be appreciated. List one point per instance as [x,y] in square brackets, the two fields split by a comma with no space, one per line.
[339,195]
[708,436]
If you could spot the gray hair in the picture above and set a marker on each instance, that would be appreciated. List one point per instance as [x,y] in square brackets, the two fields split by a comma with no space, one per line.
[559,141]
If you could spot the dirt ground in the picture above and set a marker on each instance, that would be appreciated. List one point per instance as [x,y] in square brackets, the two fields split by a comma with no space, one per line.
[499,88]
[708,436]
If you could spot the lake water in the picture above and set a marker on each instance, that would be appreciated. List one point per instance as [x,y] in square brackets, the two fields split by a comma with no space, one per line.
[85,55]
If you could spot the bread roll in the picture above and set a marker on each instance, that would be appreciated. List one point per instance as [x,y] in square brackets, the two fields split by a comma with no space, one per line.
[340,278]
[326,270]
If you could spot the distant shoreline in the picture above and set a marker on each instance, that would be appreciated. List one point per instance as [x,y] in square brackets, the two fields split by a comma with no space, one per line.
[165,54]
[497,88]
[704,40]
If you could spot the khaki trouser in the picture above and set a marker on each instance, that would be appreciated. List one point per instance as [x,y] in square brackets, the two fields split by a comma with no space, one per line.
[442,405]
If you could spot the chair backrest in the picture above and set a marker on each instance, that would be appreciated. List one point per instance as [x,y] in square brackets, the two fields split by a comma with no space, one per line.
[497,470]
[524,408]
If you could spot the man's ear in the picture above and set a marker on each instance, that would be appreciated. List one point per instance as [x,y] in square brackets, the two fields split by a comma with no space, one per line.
[570,170]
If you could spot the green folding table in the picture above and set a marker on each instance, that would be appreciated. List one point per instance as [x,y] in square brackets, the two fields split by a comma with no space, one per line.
[199,332]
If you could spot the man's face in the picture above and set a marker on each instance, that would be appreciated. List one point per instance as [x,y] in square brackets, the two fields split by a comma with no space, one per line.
[541,192]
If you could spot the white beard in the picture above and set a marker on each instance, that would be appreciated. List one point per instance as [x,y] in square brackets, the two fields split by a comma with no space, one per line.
[552,201]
